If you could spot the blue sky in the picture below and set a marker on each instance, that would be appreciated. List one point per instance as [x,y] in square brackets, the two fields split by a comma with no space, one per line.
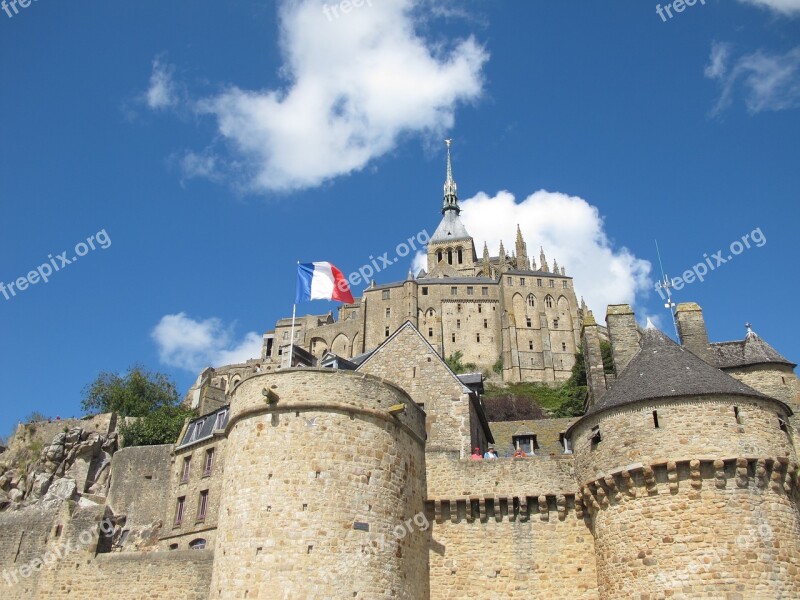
[211,145]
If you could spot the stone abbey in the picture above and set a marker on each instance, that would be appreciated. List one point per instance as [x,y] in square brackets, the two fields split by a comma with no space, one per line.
[341,468]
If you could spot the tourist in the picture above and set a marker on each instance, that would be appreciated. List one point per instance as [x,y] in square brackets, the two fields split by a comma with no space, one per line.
[490,453]
[520,453]
[476,454]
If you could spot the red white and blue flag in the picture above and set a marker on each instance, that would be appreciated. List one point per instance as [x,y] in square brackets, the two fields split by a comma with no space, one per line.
[321,281]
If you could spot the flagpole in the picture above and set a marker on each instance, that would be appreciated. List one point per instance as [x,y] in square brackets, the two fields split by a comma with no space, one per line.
[291,343]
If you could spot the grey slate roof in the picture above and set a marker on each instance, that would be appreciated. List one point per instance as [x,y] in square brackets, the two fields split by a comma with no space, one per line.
[662,369]
[752,350]
[451,228]
[440,281]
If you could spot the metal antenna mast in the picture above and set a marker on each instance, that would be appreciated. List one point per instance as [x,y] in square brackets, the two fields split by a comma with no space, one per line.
[666,285]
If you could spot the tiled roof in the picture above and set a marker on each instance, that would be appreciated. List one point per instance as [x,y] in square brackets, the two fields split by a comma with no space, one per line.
[451,228]
[752,350]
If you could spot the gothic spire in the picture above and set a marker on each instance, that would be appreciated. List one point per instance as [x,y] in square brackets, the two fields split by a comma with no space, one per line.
[487,267]
[450,190]
[542,260]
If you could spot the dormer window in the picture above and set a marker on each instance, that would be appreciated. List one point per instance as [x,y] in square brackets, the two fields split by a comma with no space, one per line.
[527,443]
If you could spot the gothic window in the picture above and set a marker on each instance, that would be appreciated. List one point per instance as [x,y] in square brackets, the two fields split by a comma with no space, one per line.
[449,257]
[531,300]
[549,302]
[460,256]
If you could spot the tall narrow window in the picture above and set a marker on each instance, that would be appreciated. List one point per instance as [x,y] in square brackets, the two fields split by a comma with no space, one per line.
[737,415]
[458,323]
[449,257]
[386,332]
[388,312]
[528,322]
[458,307]
[655,419]
[486,323]
[530,344]
[179,510]
[510,280]
[477,337]
[185,471]
[454,291]
[222,419]
[555,323]
[202,505]
[480,308]
[460,256]
[430,331]
[538,282]
[209,464]
[531,300]
[522,281]
[439,256]
[563,346]
[453,337]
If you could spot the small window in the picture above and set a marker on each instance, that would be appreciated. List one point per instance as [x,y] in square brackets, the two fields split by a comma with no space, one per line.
[386,332]
[430,331]
[458,307]
[563,346]
[527,443]
[531,300]
[655,419]
[454,291]
[522,281]
[596,438]
[480,308]
[549,302]
[477,337]
[538,282]
[173,546]
[783,379]
[388,312]
[453,337]
[458,323]
[286,335]
[460,256]
[564,284]
[202,506]
[552,283]
[209,464]
[565,444]
[424,291]
[528,322]
[484,291]
[555,323]
[486,323]
[439,256]
[530,344]
[386,294]
[185,471]
[782,425]
[737,415]
[198,544]
[510,280]
[470,290]
[179,511]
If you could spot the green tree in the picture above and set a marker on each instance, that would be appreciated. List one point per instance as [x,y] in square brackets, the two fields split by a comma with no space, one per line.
[455,364]
[152,397]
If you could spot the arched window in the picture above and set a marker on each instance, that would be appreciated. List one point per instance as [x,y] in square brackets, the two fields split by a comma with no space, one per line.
[549,301]
[460,256]
[439,256]
[449,257]
[531,300]
[197,544]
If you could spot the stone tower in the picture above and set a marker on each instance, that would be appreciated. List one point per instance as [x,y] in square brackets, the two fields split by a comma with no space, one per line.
[690,480]
[324,470]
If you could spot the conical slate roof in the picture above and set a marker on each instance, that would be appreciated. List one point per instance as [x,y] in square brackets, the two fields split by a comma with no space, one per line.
[663,369]
[752,350]
[451,228]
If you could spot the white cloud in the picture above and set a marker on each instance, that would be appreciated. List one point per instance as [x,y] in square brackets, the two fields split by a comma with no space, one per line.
[786,7]
[571,231]
[356,84]
[193,345]
[163,92]
[769,81]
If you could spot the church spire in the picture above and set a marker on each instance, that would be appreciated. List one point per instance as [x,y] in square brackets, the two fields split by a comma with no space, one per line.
[487,266]
[450,195]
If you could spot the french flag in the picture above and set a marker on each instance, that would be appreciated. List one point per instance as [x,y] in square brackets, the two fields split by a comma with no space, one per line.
[321,281]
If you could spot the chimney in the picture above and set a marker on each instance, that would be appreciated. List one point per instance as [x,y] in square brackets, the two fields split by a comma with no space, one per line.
[593,359]
[692,330]
[624,335]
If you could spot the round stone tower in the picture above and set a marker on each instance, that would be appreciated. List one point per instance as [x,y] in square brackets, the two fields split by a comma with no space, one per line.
[690,481]
[324,490]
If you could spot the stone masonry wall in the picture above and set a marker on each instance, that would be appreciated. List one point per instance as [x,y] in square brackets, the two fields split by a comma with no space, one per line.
[318,477]
[704,427]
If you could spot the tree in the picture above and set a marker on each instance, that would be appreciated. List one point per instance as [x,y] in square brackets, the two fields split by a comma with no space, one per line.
[455,364]
[137,394]
[152,397]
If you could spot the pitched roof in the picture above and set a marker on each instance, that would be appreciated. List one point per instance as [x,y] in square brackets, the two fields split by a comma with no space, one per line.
[663,369]
[451,228]
[547,432]
[752,350]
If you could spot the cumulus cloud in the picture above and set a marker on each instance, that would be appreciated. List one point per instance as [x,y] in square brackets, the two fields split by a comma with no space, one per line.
[357,82]
[769,81]
[571,231]
[785,7]
[163,92]
[192,345]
